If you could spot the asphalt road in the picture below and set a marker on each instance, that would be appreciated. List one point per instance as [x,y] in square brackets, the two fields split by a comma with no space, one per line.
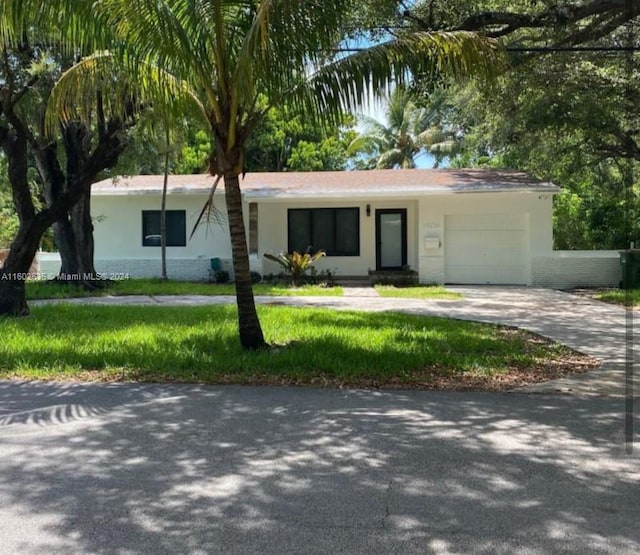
[115,469]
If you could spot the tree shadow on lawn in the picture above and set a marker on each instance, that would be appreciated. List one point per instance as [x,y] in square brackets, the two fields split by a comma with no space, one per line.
[174,469]
[201,345]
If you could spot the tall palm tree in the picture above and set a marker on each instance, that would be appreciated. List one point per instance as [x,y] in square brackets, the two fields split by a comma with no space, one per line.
[230,53]
[409,130]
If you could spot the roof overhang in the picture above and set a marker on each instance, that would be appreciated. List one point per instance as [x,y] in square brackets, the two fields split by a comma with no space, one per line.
[340,185]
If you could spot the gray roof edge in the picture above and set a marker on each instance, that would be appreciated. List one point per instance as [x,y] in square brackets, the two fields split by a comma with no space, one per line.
[266,194]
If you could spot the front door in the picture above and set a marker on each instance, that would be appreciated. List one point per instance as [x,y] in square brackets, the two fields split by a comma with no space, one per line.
[391,238]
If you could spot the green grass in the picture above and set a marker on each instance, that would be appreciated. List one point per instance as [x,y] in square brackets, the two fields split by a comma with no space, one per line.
[200,344]
[417,292]
[618,296]
[52,290]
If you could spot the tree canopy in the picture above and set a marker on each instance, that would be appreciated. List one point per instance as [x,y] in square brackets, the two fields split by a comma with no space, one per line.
[561,113]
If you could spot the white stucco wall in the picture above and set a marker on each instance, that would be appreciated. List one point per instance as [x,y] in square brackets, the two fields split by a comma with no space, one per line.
[119,250]
[118,237]
[272,232]
[118,231]
[48,265]
[535,207]
[569,269]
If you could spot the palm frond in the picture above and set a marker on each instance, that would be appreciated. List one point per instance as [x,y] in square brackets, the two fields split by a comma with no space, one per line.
[209,210]
[74,95]
[346,82]
[390,159]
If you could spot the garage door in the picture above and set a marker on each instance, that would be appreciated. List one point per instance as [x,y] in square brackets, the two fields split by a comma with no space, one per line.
[487,248]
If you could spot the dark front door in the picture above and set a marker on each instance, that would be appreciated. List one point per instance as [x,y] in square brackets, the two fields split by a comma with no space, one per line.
[391,238]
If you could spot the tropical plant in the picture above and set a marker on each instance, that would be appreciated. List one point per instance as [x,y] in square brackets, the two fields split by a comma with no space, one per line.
[295,264]
[231,54]
[410,129]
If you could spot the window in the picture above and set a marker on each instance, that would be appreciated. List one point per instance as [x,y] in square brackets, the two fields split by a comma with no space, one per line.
[253,228]
[176,228]
[334,230]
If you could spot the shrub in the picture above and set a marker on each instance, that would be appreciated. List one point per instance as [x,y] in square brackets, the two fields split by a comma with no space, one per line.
[222,276]
[296,265]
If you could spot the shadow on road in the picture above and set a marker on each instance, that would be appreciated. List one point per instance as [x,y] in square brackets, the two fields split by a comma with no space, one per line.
[185,469]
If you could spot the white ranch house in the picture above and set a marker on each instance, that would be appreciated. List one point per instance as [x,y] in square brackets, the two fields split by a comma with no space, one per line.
[451,226]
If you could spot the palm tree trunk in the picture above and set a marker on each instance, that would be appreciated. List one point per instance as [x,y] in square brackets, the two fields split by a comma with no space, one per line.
[163,214]
[249,328]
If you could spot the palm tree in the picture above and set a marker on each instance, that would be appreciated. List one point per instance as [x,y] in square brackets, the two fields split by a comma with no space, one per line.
[409,131]
[230,55]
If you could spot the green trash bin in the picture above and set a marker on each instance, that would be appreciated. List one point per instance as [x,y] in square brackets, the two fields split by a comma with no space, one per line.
[630,264]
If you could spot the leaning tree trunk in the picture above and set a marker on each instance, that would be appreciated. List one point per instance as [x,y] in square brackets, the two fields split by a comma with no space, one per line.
[15,270]
[250,332]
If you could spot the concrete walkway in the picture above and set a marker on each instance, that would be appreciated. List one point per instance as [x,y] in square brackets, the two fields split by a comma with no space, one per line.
[592,327]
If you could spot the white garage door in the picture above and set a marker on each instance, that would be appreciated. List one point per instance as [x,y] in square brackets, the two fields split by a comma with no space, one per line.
[487,248]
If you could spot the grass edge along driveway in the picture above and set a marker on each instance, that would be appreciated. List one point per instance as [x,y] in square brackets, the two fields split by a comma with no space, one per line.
[38,290]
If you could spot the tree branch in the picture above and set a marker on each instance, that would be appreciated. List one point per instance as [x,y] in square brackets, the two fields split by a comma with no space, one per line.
[610,14]
[18,96]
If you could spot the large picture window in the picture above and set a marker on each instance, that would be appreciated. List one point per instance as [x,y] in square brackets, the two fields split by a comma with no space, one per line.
[176,228]
[334,230]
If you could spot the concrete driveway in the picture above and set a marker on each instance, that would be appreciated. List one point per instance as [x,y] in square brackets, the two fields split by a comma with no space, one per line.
[602,330]
[119,469]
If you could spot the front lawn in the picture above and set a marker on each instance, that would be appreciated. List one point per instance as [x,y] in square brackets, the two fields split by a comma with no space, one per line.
[619,296]
[310,346]
[417,292]
[51,290]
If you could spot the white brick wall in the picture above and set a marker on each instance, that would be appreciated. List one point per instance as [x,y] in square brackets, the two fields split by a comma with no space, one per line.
[48,264]
[187,269]
[558,269]
[431,270]
[567,269]
[181,269]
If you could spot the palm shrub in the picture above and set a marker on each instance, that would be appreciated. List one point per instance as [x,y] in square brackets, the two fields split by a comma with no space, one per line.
[296,265]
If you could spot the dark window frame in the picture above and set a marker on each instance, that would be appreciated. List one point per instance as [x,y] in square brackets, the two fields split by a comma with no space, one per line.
[331,251]
[183,232]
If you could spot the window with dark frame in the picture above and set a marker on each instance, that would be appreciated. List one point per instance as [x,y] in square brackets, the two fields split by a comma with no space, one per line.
[176,228]
[334,230]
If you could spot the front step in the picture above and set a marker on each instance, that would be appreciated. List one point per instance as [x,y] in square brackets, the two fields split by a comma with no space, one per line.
[353,281]
[394,277]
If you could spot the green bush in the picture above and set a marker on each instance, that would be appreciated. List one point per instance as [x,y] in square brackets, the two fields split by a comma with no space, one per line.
[222,276]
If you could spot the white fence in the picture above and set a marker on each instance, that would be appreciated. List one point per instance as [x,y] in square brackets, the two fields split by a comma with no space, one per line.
[558,269]
[569,269]
[188,269]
